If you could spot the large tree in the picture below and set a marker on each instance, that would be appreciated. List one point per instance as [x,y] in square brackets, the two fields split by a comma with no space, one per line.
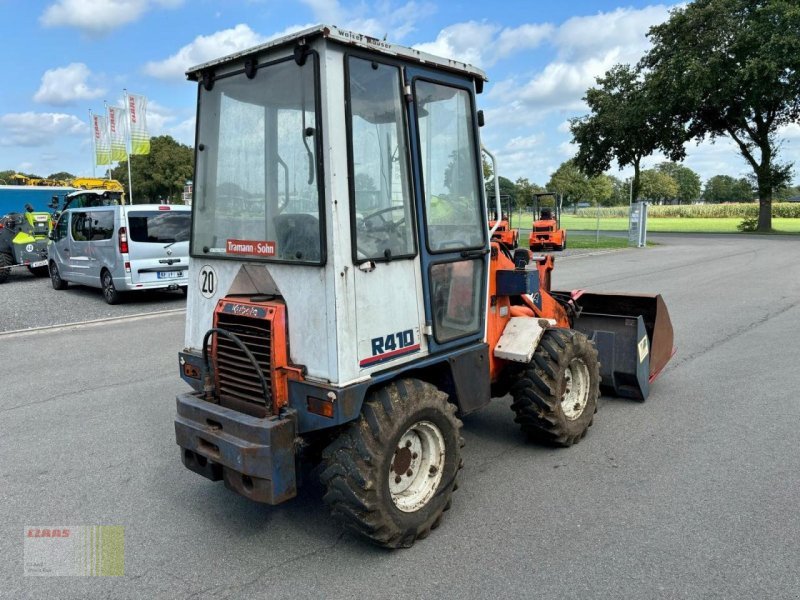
[732,68]
[724,188]
[658,186]
[569,181]
[688,181]
[623,125]
[159,175]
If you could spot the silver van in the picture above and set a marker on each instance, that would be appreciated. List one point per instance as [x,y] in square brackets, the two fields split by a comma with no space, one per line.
[121,248]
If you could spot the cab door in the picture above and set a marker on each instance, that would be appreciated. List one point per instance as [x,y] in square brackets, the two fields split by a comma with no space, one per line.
[453,232]
[388,291]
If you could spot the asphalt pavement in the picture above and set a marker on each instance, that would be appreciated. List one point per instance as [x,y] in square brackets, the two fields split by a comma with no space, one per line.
[692,494]
[28,302]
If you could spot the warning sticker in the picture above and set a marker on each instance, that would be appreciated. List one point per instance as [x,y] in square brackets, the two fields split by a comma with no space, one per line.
[251,247]
[644,349]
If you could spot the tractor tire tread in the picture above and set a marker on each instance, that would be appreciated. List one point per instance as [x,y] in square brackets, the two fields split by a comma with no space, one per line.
[535,391]
[354,463]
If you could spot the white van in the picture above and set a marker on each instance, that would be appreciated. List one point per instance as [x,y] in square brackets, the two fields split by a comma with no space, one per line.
[121,248]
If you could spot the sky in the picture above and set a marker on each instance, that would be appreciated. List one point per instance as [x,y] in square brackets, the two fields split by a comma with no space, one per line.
[64,58]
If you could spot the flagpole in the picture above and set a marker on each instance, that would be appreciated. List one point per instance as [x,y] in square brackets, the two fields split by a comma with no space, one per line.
[94,147]
[129,145]
[108,124]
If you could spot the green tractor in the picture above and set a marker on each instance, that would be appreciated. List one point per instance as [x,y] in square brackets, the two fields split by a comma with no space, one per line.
[23,242]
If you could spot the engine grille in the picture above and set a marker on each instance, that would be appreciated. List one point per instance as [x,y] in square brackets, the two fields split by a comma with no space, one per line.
[545,228]
[238,384]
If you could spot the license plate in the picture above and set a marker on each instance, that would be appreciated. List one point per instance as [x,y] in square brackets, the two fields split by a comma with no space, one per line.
[39,263]
[170,274]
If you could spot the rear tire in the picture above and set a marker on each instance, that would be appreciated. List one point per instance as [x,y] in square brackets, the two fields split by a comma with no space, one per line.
[555,395]
[55,277]
[391,473]
[110,293]
[6,260]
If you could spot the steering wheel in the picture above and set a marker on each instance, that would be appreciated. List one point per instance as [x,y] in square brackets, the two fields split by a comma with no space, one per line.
[385,224]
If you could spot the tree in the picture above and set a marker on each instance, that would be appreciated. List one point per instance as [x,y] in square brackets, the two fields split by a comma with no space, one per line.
[160,174]
[657,186]
[785,193]
[732,68]
[601,188]
[569,181]
[688,181]
[622,126]
[525,192]
[724,188]
[61,176]
[620,192]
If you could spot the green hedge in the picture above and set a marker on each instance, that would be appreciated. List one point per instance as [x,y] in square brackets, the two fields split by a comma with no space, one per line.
[786,210]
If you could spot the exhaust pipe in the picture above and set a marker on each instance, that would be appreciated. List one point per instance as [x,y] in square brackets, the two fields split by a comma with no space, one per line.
[633,335]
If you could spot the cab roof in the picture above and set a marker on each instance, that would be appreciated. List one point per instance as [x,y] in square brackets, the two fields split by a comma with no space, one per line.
[346,37]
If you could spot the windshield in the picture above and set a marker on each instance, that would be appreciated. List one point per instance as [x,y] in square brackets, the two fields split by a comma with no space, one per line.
[159,227]
[257,186]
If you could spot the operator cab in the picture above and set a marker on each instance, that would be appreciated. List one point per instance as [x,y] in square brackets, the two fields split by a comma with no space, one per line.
[379,252]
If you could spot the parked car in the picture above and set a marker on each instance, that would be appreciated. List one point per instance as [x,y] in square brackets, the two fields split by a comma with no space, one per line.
[121,248]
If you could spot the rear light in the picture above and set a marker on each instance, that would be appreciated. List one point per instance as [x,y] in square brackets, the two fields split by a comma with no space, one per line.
[320,407]
[127,267]
[123,240]
[163,207]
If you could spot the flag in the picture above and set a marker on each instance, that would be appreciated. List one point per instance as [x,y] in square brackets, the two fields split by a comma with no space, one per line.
[116,130]
[137,118]
[102,145]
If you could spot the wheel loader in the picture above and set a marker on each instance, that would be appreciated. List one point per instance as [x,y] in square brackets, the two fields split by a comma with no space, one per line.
[348,305]
[547,233]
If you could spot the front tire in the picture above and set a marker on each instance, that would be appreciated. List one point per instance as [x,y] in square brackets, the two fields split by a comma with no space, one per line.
[391,473]
[6,261]
[55,278]
[555,395]
[110,293]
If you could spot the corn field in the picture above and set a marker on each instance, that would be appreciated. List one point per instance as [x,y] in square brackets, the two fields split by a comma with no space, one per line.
[786,210]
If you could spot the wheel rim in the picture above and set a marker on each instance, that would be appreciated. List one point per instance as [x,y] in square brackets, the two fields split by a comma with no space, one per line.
[108,286]
[417,466]
[576,389]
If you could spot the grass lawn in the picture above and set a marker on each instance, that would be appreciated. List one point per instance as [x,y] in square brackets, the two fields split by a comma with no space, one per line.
[590,241]
[681,225]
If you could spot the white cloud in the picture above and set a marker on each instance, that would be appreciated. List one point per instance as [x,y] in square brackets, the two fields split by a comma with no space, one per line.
[483,44]
[66,85]
[377,19]
[623,29]
[203,49]
[99,16]
[38,129]
[523,142]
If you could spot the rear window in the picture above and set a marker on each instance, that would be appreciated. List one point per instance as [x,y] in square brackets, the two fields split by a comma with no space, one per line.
[159,227]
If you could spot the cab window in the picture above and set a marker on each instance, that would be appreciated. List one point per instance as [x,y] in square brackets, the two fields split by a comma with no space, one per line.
[382,221]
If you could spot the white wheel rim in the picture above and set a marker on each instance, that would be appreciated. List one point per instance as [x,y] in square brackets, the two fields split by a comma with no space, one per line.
[419,458]
[576,389]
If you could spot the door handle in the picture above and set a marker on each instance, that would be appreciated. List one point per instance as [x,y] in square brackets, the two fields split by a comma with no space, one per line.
[66,250]
[474,253]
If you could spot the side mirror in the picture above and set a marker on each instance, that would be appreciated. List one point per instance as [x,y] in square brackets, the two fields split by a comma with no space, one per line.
[54,202]
[29,208]
[51,236]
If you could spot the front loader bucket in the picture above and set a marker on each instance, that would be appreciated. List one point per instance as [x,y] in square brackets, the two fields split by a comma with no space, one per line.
[633,336]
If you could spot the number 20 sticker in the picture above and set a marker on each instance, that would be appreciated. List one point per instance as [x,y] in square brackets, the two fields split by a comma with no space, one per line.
[207,281]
